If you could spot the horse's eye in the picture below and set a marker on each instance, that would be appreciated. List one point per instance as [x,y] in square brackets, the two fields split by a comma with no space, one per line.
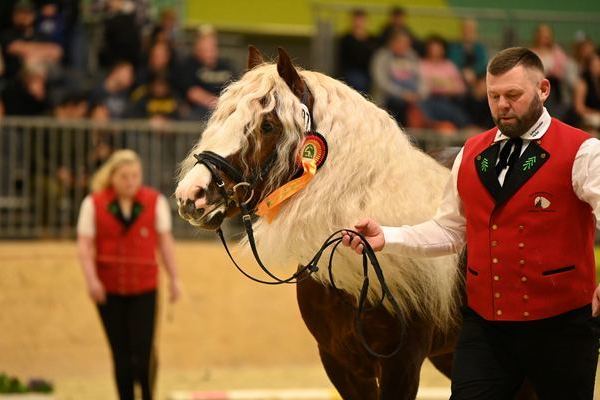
[266,127]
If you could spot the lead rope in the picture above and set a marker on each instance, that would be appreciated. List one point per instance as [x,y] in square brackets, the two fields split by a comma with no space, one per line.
[368,256]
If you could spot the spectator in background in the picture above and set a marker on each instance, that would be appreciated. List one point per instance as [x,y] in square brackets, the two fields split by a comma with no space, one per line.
[72,105]
[587,95]
[159,103]
[22,45]
[396,76]
[160,62]
[468,54]
[582,51]
[113,92]
[477,107]
[27,94]
[355,52]
[205,74]
[555,66]
[397,22]
[51,22]
[121,226]
[444,84]
[167,30]
[122,37]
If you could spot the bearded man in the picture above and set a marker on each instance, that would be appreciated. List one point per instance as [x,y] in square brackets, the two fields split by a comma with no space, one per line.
[525,198]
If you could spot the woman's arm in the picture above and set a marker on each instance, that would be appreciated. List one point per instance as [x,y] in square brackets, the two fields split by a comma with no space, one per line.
[85,250]
[167,252]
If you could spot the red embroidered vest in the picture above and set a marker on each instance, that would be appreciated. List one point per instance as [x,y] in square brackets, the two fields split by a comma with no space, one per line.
[126,255]
[530,243]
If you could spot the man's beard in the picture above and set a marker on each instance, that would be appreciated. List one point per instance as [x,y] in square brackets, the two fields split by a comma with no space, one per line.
[522,123]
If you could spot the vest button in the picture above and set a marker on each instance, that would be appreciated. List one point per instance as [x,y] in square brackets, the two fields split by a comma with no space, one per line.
[495,260]
[521,227]
[494,243]
[496,278]
[526,314]
[494,227]
[522,262]
[497,295]
[521,245]
[499,312]
[523,279]
[525,297]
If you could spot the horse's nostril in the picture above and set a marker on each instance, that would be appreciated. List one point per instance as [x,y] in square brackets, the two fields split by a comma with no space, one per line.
[189,207]
[199,212]
[200,193]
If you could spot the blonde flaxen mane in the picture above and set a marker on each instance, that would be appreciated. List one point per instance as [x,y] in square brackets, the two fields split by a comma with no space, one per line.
[372,170]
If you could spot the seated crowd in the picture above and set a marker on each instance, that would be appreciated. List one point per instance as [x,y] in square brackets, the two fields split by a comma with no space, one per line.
[438,85]
[148,73]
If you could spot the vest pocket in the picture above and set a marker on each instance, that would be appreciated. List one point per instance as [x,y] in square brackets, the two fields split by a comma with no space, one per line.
[558,270]
[471,270]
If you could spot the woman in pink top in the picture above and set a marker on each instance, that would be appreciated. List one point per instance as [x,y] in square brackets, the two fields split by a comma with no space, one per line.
[444,84]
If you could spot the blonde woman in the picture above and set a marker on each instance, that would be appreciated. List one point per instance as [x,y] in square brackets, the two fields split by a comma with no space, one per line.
[121,224]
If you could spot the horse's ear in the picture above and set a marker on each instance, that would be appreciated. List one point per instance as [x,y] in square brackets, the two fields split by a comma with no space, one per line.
[286,70]
[255,57]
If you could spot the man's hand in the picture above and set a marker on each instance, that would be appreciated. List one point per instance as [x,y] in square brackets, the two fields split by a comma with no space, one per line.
[596,302]
[372,232]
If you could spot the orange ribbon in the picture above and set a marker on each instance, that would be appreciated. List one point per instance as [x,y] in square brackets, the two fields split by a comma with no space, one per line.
[269,207]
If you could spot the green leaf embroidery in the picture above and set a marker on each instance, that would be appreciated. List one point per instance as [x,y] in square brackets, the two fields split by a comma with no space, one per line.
[529,163]
[484,164]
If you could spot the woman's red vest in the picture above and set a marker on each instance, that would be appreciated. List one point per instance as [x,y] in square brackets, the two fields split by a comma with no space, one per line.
[126,255]
[530,243]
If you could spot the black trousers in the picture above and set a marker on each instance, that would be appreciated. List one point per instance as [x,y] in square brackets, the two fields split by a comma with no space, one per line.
[129,323]
[558,356]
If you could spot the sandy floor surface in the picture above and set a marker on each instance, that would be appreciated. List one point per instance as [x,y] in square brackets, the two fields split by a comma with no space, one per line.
[225,333]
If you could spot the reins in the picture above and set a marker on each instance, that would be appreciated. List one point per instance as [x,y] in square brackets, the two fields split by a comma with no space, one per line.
[212,161]
[215,162]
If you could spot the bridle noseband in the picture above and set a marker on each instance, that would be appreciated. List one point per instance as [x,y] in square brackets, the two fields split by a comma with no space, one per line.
[216,163]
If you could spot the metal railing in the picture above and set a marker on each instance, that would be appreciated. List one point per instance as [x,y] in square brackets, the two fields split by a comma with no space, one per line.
[46,166]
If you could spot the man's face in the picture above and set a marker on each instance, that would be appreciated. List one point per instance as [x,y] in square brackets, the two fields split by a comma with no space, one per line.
[516,99]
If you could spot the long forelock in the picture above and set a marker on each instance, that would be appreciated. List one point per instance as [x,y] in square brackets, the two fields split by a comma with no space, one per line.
[240,110]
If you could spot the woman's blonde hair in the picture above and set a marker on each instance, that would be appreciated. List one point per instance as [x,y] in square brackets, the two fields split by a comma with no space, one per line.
[101,179]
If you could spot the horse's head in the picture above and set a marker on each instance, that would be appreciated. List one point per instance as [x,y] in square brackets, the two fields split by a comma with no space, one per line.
[250,144]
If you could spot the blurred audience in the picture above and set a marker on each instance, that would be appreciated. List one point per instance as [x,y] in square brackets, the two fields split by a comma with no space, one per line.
[397,23]
[396,76]
[21,44]
[586,99]
[469,54]
[51,22]
[26,95]
[122,36]
[113,92]
[355,51]
[205,74]
[444,84]
[159,103]
[556,64]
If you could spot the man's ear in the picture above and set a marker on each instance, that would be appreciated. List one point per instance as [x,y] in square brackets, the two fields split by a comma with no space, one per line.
[544,89]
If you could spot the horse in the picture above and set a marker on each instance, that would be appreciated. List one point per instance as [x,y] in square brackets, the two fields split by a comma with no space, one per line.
[371,169]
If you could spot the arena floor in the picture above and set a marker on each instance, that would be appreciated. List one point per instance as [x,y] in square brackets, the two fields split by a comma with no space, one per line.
[225,333]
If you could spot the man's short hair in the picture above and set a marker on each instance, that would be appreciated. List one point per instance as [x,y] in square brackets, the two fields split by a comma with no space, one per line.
[509,58]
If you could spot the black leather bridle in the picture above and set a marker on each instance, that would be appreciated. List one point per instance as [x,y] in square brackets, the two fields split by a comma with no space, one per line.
[217,165]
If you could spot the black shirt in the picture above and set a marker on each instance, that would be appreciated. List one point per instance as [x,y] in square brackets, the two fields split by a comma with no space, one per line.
[18,101]
[210,79]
